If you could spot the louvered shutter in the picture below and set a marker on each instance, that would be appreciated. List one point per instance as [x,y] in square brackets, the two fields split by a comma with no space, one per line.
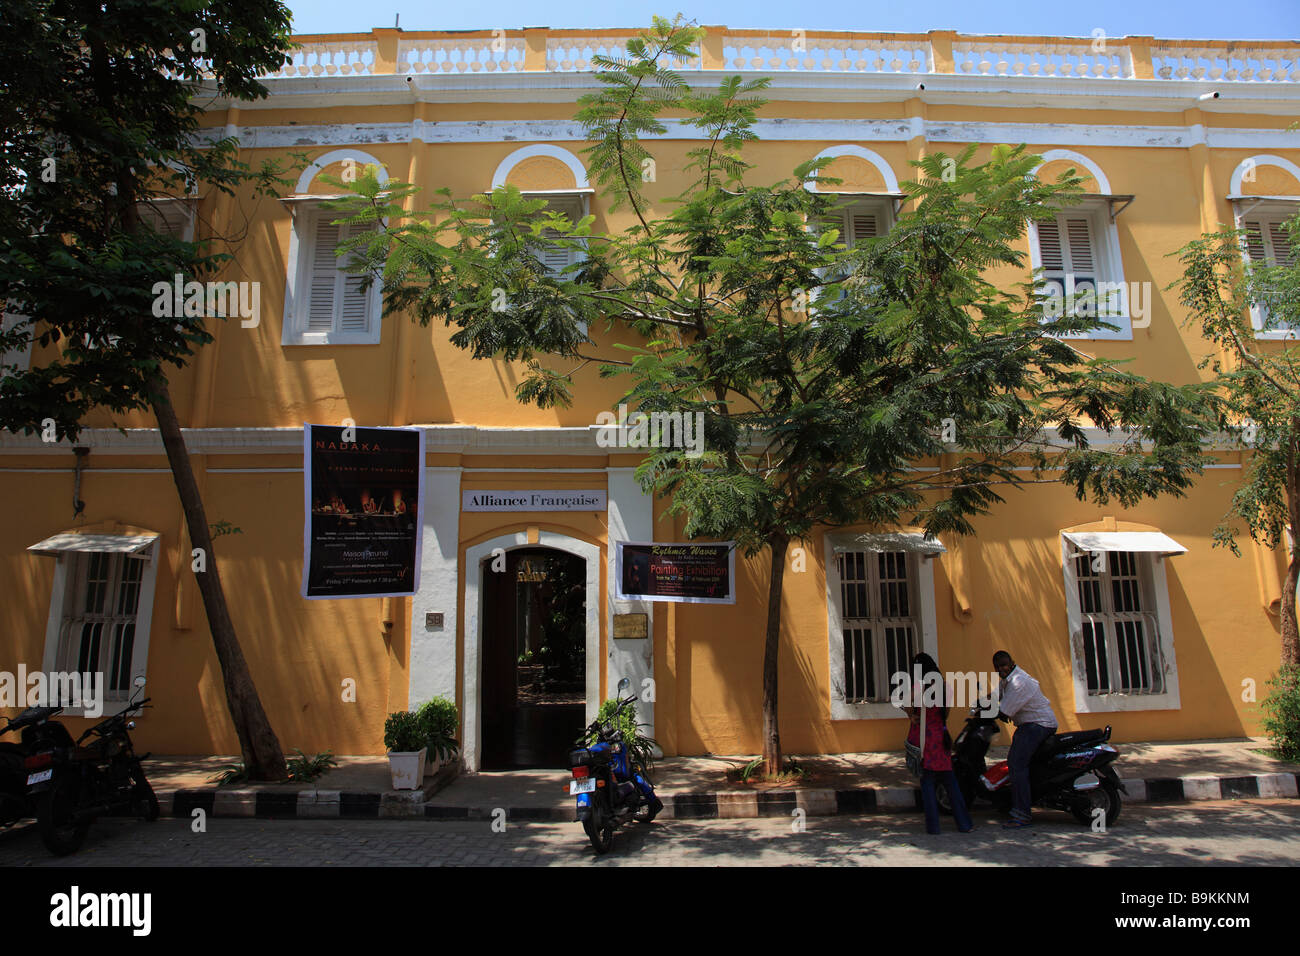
[1079,236]
[1281,243]
[1255,242]
[324,275]
[1050,251]
[554,257]
[335,300]
[859,226]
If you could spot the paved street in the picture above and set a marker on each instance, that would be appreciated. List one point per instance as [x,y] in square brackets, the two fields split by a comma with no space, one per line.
[1255,832]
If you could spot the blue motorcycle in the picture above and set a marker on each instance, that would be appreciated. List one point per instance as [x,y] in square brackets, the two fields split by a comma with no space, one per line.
[609,780]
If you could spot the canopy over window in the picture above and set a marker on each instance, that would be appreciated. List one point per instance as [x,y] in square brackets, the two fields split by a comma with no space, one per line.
[111,543]
[1153,542]
[909,541]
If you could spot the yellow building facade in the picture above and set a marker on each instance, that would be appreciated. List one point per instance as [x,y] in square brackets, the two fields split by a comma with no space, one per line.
[1162,638]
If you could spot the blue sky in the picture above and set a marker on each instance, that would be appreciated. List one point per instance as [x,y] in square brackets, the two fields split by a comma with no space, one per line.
[1202,19]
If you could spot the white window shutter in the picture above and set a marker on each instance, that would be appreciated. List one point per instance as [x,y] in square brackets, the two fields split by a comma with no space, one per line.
[554,257]
[1079,236]
[354,305]
[861,225]
[1281,243]
[324,272]
[1050,251]
[1255,242]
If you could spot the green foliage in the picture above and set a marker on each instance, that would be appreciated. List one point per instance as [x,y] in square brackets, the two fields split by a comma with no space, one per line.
[1259,386]
[750,769]
[1282,713]
[439,724]
[104,117]
[229,775]
[640,747]
[404,732]
[304,769]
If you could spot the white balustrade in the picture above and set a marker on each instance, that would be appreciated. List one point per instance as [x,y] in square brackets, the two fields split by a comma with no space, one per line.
[1257,64]
[574,54]
[344,58]
[797,51]
[499,54]
[1080,58]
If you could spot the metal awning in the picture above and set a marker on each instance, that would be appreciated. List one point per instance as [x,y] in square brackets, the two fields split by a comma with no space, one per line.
[1150,542]
[909,541]
[111,543]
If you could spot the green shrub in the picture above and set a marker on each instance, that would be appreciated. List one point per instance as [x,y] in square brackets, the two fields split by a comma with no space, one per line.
[1282,713]
[640,747]
[439,723]
[304,769]
[402,732]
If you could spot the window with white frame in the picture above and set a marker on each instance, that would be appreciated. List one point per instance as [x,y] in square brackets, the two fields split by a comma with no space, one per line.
[1267,243]
[880,629]
[1075,252]
[101,606]
[1120,625]
[856,220]
[881,613]
[325,304]
[100,615]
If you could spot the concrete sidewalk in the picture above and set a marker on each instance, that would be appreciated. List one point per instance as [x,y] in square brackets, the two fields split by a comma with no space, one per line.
[695,787]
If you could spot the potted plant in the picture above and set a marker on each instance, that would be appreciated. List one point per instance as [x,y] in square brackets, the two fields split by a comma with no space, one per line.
[439,723]
[406,751]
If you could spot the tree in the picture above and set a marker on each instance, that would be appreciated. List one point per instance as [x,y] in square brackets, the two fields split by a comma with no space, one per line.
[102,117]
[822,373]
[1259,384]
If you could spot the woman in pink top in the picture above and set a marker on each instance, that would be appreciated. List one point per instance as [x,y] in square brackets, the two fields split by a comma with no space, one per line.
[936,761]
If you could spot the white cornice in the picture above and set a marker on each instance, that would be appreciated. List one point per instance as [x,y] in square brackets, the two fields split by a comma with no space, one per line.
[775,129]
[1096,93]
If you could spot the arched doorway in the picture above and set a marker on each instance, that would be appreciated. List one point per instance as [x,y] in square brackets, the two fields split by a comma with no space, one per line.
[534,688]
[480,601]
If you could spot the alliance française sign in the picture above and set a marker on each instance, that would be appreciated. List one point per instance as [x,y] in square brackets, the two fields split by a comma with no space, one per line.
[552,499]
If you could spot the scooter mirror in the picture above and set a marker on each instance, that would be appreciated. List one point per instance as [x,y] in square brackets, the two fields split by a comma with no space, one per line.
[139,681]
[623,685]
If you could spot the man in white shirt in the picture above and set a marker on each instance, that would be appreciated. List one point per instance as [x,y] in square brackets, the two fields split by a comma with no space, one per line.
[1020,700]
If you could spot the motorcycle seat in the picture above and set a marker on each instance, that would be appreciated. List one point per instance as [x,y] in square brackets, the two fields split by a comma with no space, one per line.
[1060,743]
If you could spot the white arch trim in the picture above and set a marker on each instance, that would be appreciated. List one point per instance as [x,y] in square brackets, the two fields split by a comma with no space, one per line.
[1052,155]
[1262,159]
[874,158]
[472,675]
[542,149]
[337,156]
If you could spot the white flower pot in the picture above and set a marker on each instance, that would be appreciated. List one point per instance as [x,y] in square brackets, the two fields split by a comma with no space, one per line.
[407,768]
[433,764]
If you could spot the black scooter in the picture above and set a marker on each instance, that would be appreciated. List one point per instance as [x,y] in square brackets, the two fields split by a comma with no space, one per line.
[70,784]
[1070,771]
[14,802]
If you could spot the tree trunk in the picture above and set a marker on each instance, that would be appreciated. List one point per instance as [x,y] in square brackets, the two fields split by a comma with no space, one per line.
[263,758]
[1290,632]
[771,647]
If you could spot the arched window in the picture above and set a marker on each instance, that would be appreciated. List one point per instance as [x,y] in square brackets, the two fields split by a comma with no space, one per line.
[323,303]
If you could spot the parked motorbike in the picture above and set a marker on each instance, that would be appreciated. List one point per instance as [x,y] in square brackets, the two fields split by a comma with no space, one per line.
[14,802]
[611,784]
[1070,771]
[70,784]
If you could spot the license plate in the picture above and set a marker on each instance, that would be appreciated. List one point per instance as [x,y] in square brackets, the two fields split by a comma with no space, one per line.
[39,776]
[582,786]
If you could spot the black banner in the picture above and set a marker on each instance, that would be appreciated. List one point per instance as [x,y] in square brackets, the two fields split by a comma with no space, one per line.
[682,573]
[364,491]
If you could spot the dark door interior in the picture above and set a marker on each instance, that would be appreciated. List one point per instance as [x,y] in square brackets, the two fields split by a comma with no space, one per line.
[533,688]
